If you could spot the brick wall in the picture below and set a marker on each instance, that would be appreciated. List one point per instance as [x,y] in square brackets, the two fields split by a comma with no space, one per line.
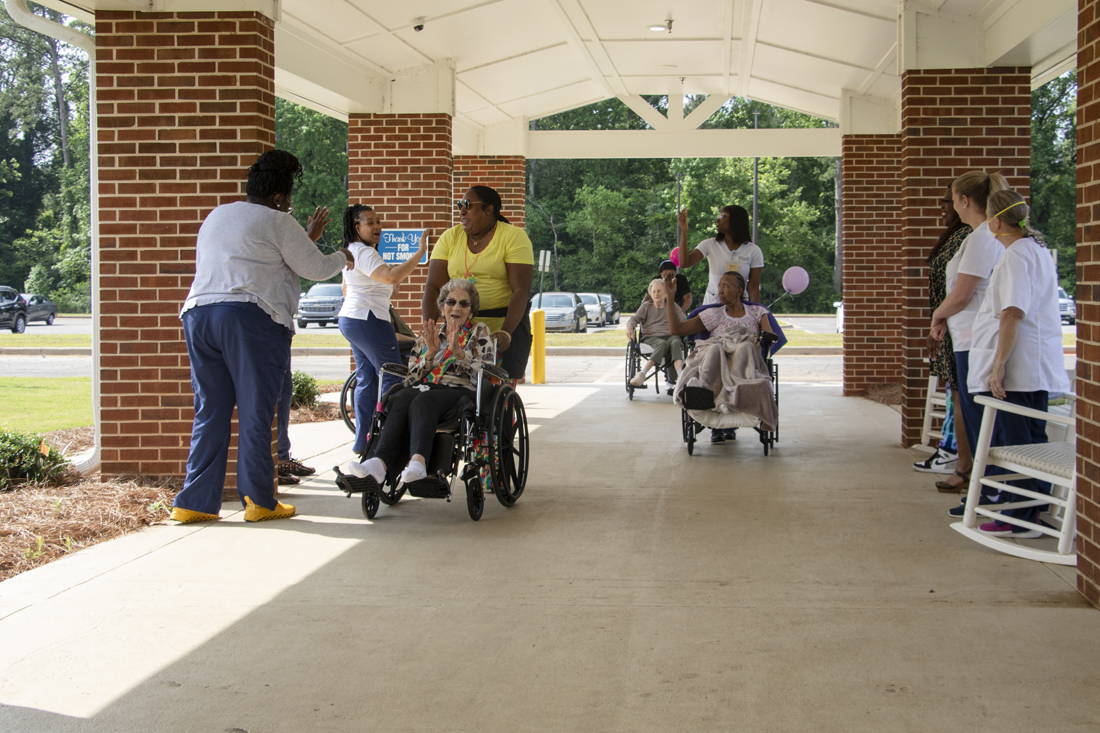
[401,166]
[185,105]
[952,121]
[1088,302]
[872,261]
[506,174]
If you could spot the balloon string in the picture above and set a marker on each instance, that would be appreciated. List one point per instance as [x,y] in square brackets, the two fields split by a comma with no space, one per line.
[781,297]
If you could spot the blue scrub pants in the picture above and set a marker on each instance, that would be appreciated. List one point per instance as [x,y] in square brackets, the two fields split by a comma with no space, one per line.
[373,344]
[1009,429]
[283,415]
[239,356]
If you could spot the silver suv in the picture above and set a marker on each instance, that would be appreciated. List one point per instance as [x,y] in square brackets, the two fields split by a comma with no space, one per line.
[1066,307]
[320,305]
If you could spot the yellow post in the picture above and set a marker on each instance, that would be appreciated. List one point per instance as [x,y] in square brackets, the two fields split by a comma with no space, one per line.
[538,346]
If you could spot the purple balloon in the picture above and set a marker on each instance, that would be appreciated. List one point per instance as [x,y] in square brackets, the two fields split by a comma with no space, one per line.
[795,280]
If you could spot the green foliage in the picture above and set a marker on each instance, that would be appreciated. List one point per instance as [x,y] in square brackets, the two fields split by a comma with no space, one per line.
[1054,171]
[306,391]
[25,457]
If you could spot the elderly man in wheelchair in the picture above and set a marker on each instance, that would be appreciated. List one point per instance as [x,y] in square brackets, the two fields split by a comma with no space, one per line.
[454,405]
[649,337]
[729,379]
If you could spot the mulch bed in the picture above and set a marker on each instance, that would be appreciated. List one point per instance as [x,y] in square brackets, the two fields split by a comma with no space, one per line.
[40,523]
[886,394]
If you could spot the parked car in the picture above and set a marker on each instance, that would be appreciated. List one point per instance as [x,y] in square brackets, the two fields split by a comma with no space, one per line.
[594,307]
[320,305]
[13,310]
[611,308]
[564,311]
[839,305]
[40,308]
[1066,307]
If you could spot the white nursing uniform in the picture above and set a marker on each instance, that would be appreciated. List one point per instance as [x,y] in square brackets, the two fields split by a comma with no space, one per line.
[977,256]
[365,295]
[720,260]
[1025,278]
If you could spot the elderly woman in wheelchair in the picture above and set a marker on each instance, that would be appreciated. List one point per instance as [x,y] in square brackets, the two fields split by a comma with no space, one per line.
[728,380]
[439,401]
[650,337]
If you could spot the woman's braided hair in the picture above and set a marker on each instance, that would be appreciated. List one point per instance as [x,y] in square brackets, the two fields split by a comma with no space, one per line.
[490,197]
[276,171]
[351,216]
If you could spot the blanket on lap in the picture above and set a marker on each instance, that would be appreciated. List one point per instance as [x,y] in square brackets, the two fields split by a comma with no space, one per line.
[731,366]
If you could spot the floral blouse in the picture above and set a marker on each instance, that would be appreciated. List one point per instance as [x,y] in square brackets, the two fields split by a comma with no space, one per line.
[718,320]
[943,365]
[448,368]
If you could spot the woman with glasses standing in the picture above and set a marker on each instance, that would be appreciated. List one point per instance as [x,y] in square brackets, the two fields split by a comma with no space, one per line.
[488,251]
[364,318]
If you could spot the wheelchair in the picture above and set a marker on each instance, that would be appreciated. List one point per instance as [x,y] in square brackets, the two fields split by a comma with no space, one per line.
[484,442]
[698,411]
[637,354]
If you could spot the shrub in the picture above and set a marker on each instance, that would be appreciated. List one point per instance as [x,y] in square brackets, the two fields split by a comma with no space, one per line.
[26,457]
[305,390]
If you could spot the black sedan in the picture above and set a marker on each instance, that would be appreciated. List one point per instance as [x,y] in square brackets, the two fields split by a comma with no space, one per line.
[13,310]
[40,308]
[611,308]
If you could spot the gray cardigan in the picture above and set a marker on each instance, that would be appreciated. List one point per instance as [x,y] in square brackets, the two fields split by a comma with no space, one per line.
[653,320]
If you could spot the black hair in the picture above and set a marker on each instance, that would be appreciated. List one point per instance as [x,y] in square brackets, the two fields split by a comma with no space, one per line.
[740,231]
[740,280]
[489,197]
[954,224]
[351,215]
[666,265]
[276,171]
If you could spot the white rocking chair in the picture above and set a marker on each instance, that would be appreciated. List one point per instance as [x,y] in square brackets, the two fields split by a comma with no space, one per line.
[1055,463]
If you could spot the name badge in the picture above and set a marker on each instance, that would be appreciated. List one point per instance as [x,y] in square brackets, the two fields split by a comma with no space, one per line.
[733,266]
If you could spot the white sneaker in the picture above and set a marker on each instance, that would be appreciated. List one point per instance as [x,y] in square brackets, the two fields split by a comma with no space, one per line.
[638,380]
[942,461]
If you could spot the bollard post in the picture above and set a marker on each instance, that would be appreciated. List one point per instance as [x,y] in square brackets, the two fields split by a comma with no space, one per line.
[538,346]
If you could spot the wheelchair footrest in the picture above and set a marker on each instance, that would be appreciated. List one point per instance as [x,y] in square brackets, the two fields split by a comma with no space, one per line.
[354,485]
[432,487]
[698,398]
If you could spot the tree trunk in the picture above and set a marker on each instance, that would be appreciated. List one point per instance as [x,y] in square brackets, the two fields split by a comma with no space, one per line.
[62,105]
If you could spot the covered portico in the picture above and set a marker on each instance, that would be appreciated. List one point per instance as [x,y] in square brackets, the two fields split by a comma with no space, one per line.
[921,92]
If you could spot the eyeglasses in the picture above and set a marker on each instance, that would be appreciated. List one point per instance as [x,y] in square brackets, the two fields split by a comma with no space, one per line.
[464,204]
[947,201]
[451,303]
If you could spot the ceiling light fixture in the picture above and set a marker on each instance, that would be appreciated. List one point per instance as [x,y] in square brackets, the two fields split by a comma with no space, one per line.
[662,28]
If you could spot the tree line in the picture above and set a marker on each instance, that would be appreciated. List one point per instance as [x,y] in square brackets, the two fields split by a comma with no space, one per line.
[609,222]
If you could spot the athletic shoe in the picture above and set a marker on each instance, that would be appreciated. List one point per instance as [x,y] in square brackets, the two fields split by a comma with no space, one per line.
[187,516]
[942,461]
[256,513]
[296,468]
[638,380]
[285,477]
[1004,529]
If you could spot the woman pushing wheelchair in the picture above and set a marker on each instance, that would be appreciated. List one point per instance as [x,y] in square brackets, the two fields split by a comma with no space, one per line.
[443,369]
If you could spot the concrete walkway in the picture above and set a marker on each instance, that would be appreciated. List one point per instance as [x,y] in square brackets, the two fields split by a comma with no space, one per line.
[631,588]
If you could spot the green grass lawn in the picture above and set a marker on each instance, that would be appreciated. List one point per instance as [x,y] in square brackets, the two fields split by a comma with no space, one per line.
[8,339]
[37,405]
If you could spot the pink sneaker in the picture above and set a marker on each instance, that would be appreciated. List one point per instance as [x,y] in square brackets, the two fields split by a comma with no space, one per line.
[1004,529]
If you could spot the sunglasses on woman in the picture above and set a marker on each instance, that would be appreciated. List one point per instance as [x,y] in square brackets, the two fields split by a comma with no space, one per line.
[465,204]
[451,303]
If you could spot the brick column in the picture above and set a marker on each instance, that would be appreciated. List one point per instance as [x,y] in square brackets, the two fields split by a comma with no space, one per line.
[400,165]
[1088,301]
[507,174]
[872,262]
[952,121]
[186,104]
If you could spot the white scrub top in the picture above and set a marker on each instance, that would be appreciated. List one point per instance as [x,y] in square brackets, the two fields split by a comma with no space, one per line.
[977,256]
[720,260]
[365,295]
[1025,278]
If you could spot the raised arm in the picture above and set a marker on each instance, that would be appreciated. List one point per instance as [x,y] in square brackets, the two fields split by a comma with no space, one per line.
[391,275]
[688,257]
[677,327]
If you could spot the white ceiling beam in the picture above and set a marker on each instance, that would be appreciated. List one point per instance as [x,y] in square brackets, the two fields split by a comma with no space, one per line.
[818,57]
[750,27]
[580,144]
[727,47]
[854,11]
[578,44]
[1013,37]
[888,61]
[1058,63]
[646,111]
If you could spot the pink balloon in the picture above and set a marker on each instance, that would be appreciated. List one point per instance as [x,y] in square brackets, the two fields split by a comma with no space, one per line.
[674,255]
[795,280]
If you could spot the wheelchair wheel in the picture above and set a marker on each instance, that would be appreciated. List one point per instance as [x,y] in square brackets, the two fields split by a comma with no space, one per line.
[508,446]
[370,505]
[475,498]
[631,370]
[690,430]
[391,494]
[347,406]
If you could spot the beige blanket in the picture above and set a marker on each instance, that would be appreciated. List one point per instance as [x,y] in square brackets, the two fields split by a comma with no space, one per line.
[731,366]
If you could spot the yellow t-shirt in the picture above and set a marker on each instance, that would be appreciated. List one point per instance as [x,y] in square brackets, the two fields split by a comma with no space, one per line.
[509,245]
